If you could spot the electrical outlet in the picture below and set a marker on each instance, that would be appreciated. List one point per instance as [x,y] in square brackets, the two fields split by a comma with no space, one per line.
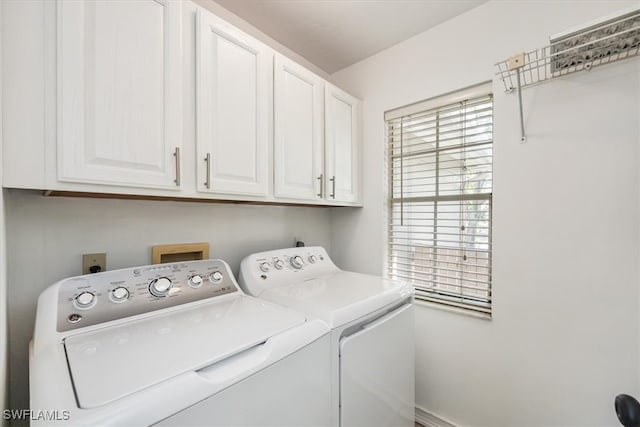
[94,263]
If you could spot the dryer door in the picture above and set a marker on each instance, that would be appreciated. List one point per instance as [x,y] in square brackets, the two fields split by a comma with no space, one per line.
[377,372]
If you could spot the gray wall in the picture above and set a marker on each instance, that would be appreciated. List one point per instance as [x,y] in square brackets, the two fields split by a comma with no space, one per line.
[3,276]
[46,237]
[564,337]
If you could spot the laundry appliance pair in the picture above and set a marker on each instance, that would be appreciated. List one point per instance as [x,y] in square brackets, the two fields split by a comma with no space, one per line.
[299,342]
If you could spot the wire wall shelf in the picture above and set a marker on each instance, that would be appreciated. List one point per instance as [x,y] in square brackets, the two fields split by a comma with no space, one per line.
[609,41]
[605,43]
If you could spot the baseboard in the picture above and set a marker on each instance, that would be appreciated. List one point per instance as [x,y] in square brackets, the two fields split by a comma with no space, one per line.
[429,419]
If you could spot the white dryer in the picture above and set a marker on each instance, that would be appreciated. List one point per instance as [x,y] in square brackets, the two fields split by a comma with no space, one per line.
[372,325]
[175,344]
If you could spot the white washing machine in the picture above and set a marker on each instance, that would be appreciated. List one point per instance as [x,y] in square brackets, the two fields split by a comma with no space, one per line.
[175,344]
[372,323]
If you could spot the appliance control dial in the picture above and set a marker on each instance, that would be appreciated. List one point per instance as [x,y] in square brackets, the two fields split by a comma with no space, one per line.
[265,267]
[296,261]
[160,287]
[195,281]
[85,300]
[312,259]
[119,294]
[279,264]
[215,277]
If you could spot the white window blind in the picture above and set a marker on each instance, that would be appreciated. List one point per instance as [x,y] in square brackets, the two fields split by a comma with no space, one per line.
[440,189]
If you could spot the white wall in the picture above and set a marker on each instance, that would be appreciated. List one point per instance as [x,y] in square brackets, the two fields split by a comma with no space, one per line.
[46,237]
[564,339]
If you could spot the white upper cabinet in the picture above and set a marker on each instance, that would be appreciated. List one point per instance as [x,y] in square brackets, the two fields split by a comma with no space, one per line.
[162,98]
[234,75]
[119,92]
[299,129]
[342,145]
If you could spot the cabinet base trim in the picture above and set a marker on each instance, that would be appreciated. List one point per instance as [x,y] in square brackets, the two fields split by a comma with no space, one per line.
[88,195]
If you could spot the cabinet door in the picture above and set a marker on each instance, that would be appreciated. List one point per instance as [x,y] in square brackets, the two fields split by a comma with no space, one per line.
[234,78]
[342,145]
[119,92]
[298,131]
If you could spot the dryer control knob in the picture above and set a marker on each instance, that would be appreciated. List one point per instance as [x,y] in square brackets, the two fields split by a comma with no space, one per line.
[195,281]
[215,277]
[160,287]
[265,267]
[85,300]
[297,262]
[119,294]
[312,259]
[279,264]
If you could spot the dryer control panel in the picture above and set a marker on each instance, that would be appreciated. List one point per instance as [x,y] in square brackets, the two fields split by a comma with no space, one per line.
[102,297]
[263,270]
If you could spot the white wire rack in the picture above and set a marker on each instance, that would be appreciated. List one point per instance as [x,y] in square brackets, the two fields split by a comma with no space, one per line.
[608,42]
[604,43]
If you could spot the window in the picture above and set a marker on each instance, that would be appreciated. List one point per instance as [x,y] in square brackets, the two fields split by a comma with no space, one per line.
[440,192]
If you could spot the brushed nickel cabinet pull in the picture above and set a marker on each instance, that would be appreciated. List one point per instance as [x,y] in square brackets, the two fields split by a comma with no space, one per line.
[333,187]
[207,182]
[176,154]
[321,184]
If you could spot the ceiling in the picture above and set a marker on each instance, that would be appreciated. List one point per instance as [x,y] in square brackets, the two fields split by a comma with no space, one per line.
[334,34]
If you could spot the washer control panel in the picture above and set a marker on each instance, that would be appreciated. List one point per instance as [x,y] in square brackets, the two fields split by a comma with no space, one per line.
[96,298]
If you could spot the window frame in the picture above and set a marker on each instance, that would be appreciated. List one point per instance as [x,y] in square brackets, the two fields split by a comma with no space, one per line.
[441,298]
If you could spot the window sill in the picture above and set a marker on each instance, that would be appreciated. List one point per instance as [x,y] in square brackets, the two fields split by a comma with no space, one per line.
[456,310]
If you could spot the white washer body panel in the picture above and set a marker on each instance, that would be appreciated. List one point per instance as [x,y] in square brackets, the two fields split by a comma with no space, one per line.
[150,367]
[129,357]
[293,393]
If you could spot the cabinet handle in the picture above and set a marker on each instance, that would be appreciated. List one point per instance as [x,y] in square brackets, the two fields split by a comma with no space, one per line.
[333,187]
[207,159]
[321,184]
[176,154]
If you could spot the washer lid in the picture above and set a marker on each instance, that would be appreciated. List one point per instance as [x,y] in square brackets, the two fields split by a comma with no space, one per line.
[110,363]
[339,298]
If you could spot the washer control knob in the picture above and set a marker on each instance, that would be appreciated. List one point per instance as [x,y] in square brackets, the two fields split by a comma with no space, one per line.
[312,259]
[265,267]
[215,277]
[160,287]
[85,300]
[297,262]
[195,281]
[279,264]
[120,294]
